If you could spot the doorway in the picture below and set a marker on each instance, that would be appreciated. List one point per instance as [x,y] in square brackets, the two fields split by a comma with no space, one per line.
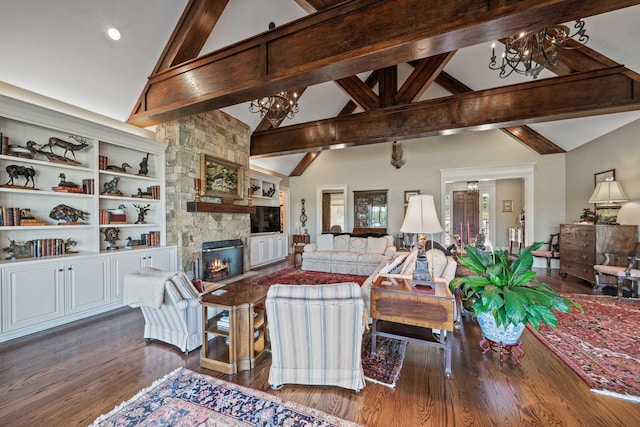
[331,204]
[449,178]
[466,215]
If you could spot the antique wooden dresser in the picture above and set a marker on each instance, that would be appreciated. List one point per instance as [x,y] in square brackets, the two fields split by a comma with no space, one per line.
[583,245]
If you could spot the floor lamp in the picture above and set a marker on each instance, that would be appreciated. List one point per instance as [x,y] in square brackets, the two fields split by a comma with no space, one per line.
[421,218]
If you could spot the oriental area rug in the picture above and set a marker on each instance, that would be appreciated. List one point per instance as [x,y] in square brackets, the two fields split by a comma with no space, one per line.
[601,345]
[185,398]
[296,276]
[383,368]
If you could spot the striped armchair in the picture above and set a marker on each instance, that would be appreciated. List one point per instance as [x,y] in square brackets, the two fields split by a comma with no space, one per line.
[177,320]
[316,335]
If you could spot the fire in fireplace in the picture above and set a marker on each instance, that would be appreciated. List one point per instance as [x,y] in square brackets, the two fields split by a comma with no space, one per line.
[222,259]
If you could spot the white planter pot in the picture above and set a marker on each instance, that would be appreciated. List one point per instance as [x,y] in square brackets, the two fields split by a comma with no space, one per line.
[509,335]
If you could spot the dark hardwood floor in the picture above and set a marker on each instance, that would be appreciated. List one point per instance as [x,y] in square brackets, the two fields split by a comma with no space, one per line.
[70,375]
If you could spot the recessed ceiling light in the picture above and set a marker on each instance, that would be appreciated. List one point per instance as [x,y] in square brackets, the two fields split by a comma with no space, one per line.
[113,33]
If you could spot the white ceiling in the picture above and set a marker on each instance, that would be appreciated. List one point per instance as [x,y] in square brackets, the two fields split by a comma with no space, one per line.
[60,49]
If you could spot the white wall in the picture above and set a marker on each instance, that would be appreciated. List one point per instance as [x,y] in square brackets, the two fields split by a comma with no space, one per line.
[508,189]
[368,168]
[619,150]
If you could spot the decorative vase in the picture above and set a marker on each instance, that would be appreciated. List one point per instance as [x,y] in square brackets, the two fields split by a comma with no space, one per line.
[509,335]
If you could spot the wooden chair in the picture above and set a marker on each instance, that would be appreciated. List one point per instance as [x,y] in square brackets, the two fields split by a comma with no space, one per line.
[552,250]
[613,267]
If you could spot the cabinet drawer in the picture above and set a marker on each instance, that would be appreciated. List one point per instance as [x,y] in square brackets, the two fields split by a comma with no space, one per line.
[582,271]
[578,245]
[578,256]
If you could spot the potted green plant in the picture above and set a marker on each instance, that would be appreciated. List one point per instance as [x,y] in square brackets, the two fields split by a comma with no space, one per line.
[507,294]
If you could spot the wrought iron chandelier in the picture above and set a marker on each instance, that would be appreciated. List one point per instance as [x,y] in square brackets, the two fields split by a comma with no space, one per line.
[276,107]
[472,187]
[530,53]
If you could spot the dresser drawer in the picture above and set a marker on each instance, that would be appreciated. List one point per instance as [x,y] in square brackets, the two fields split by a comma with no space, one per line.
[579,256]
[583,271]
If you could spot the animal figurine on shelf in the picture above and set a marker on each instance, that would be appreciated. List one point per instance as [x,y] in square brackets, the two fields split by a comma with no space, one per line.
[142,211]
[144,166]
[28,172]
[68,146]
[69,245]
[65,183]
[67,213]
[111,235]
[18,250]
[122,168]
[111,187]
[133,242]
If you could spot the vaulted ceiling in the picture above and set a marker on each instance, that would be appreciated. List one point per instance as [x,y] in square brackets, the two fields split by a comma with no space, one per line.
[368,71]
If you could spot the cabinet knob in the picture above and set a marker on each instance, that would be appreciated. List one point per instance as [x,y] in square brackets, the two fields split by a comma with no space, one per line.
[60,270]
[70,268]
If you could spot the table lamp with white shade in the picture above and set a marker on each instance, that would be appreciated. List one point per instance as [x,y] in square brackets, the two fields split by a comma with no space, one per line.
[421,218]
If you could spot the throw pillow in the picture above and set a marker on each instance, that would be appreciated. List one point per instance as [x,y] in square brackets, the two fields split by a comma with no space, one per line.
[376,245]
[341,243]
[358,245]
[325,242]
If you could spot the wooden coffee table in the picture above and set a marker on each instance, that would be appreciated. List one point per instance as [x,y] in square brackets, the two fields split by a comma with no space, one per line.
[403,312]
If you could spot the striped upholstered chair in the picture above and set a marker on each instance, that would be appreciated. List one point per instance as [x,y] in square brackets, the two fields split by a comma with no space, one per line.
[316,335]
[175,317]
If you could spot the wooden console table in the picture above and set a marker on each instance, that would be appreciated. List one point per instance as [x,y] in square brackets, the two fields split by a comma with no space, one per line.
[403,312]
[236,348]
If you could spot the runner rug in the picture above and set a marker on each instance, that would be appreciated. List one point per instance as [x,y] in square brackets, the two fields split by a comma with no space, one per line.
[601,345]
[383,368]
[185,398]
[295,276]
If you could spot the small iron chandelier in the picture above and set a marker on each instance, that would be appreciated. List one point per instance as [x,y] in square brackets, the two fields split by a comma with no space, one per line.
[472,187]
[530,53]
[277,107]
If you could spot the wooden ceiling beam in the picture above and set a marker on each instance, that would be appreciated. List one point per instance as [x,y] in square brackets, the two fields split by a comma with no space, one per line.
[314,49]
[189,36]
[359,92]
[524,134]
[311,6]
[576,95]
[425,72]
[305,163]
[388,86]
[348,108]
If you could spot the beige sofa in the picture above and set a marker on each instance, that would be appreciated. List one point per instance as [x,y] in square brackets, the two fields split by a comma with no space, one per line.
[346,254]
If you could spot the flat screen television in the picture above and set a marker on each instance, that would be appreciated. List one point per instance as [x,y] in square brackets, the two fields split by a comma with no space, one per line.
[266,219]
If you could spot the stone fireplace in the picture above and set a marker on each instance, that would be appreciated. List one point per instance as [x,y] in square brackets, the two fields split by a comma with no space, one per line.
[217,134]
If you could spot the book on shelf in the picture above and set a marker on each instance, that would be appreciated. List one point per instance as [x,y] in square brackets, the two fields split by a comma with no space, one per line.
[68,189]
[102,162]
[88,186]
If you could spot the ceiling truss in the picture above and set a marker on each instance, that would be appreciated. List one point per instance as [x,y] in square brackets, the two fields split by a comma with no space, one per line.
[183,84]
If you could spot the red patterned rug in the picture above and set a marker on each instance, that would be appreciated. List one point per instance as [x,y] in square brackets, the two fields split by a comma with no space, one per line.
[296,276]
[601,345]
[383,368]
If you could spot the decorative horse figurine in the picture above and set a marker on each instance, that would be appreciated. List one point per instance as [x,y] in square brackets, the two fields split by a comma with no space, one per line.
[15,171]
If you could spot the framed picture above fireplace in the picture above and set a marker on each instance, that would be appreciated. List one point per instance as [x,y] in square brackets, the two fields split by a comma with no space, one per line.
[221,178]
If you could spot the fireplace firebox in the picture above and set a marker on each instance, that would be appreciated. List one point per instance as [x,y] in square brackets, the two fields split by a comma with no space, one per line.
[222,259]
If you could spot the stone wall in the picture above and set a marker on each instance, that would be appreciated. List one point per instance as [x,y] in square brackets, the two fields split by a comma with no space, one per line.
[219,135]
